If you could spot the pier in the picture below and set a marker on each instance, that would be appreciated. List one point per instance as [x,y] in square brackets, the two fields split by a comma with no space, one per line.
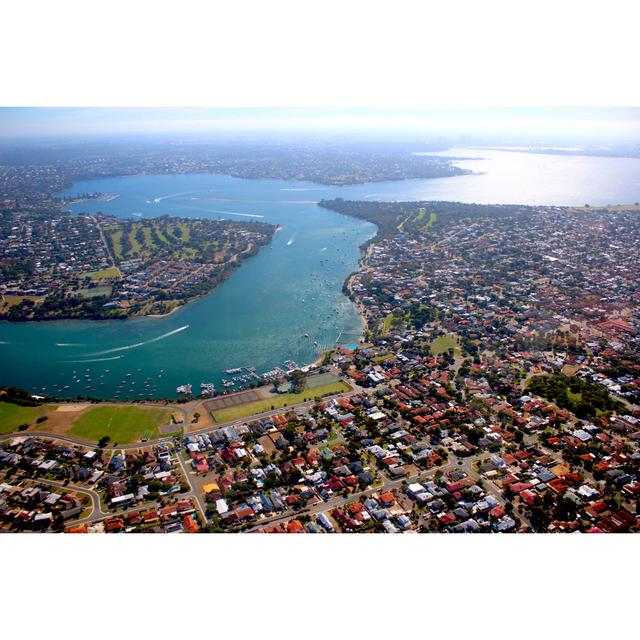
[340,341]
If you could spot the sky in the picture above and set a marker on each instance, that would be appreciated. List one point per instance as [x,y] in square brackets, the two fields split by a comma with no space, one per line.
[586,125]
[362,65]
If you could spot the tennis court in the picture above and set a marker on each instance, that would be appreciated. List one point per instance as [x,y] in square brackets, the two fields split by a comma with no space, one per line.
[225,402]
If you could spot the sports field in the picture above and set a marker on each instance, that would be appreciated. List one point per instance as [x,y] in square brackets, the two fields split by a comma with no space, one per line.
[444,343]
[95,292]
[103,274]
[122,424]
[13,415]
[321,380]
[278,401]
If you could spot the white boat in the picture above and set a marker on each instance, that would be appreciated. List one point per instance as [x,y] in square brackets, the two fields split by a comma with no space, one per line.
[207,388]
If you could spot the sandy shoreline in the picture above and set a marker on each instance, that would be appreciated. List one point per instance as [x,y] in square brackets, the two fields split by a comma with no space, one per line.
[361,264]
[165,315]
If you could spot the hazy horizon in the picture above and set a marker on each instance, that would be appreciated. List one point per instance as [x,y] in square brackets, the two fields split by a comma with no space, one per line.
[563,125]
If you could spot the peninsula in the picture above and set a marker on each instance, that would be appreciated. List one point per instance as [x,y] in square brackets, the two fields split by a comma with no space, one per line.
[60,266]
[31,178]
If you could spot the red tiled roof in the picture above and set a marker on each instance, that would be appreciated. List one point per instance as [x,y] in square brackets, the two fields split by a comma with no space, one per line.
[295,526]
[190,524]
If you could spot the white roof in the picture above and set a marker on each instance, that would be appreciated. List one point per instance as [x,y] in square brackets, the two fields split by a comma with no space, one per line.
[124,498]
[222,506]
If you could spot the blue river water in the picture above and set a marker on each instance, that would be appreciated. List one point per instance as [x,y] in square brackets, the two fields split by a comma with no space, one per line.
[259,317]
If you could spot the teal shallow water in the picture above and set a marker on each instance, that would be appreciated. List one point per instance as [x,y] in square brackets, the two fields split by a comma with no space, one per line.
[259,317]
[293,287]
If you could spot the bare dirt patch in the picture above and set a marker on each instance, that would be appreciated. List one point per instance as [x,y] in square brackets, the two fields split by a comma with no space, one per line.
[68,408]
[267,444]
[204,420]
[570,369]
[59,421]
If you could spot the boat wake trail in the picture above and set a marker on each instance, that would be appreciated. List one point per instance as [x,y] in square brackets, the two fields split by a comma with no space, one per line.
[235,213]
[69,344]
[172,195]
[91,360]
[303,189]
[139,344]
[238,201]
[179,195]
[231,213]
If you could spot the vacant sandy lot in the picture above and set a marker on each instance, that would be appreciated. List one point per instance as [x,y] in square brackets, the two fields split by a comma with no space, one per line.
[67,408]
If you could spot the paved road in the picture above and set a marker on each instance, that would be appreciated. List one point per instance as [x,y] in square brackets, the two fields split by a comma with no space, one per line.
[94,517]
[467,467]
[96,505]
[194,490]
[389,485]
[332,503]
[105,244]
[97,513]
[168,439]
[339,501]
